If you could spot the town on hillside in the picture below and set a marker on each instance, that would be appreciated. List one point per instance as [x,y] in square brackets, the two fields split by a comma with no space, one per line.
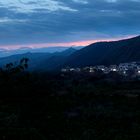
[126,69]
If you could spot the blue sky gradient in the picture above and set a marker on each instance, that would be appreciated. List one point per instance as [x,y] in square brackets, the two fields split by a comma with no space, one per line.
[27,22]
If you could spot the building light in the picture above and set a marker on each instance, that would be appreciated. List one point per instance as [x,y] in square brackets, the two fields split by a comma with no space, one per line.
[72,69]
[138,71]
[114,69]
[91,70]
[124,72]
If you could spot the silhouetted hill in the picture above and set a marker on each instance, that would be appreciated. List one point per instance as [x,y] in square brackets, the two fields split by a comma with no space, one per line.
[113,52]
[56,61]
[68,51]
[40,61]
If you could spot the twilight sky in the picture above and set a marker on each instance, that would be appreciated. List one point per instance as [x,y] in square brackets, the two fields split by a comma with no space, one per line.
[42,23]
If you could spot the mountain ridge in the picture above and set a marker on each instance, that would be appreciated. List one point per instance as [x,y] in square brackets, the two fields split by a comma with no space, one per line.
[105,53]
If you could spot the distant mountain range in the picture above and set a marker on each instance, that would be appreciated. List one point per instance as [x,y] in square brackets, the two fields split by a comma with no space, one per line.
[40,61]
[9,52]
[100,53]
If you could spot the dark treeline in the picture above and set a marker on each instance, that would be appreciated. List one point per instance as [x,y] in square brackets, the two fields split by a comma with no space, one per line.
[57,106]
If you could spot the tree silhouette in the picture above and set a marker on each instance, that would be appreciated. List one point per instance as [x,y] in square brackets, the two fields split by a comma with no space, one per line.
[11,69]
[24,63]
[9,66]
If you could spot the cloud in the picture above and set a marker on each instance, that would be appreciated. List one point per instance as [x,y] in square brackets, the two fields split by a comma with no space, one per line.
[33,5]
[111,1]
[81,1]
[9,20]
[61,21]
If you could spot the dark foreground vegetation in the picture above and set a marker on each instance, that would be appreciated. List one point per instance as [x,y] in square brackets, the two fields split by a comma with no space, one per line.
[60,106]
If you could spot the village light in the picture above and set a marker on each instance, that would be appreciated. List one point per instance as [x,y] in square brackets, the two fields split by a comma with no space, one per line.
[124,72]
[138,71]
[114,69]
[91,70]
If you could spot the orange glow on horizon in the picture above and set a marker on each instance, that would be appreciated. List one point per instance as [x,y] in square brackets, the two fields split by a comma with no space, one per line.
[66,44]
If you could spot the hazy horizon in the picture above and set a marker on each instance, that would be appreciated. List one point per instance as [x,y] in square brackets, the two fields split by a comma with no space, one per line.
[67,45]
